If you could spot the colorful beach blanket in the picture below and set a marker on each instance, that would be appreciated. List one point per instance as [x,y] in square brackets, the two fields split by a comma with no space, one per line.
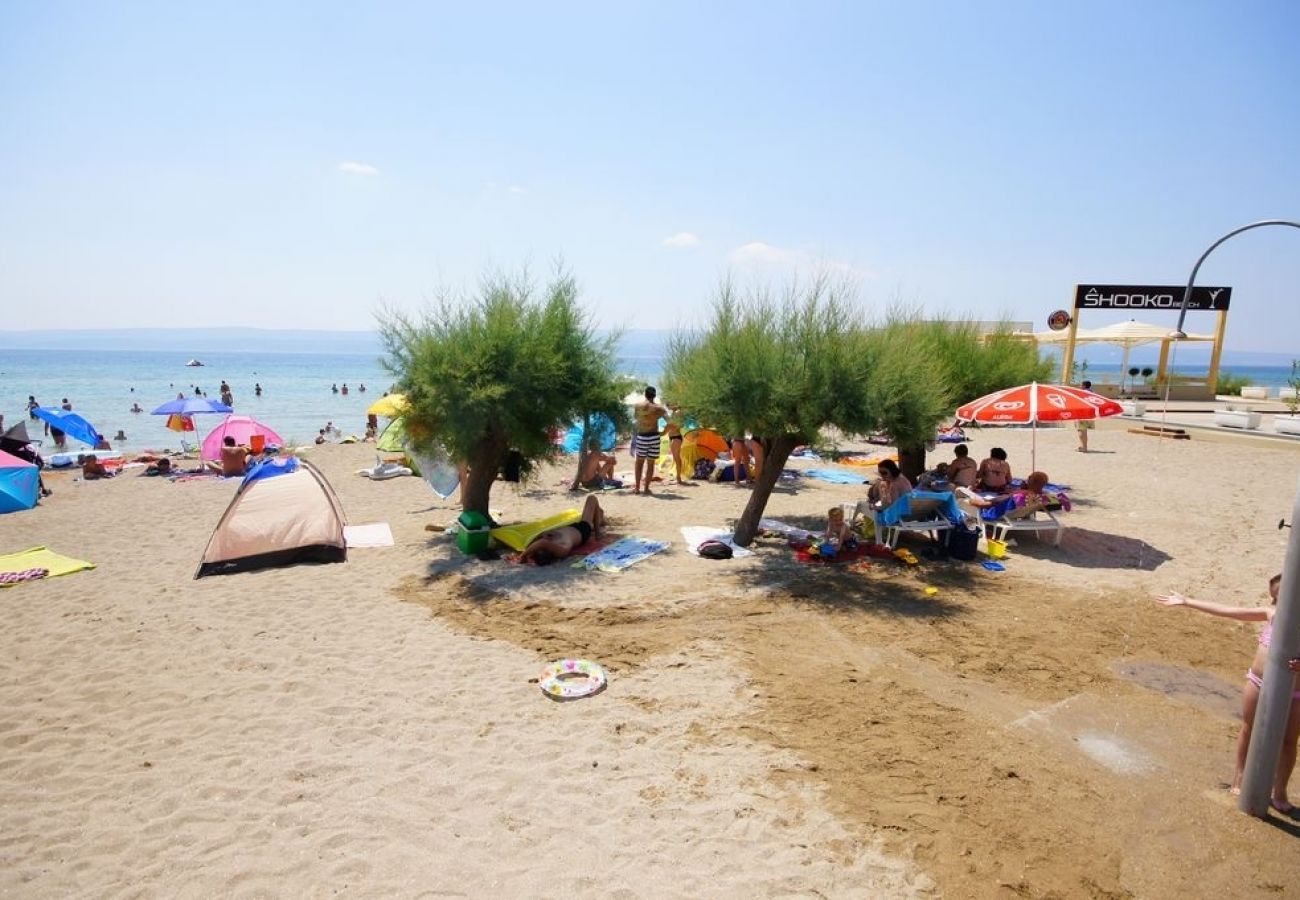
[41,558]
[835,477]
[621,554]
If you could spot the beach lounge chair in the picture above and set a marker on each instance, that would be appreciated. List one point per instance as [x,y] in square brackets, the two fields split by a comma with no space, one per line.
[926,512]
[1026,519]
[1031,519]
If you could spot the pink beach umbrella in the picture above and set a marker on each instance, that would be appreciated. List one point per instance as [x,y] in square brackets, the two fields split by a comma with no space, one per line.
[1032,403]
[242,429]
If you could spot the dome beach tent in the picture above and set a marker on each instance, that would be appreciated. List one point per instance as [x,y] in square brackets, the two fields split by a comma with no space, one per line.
[19,483]
[242,429]
[284,512]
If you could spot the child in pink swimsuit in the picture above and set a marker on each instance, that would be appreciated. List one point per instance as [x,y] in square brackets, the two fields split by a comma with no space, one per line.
[1250,694]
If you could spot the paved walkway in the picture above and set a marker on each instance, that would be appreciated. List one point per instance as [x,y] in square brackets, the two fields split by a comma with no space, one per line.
[1197,416]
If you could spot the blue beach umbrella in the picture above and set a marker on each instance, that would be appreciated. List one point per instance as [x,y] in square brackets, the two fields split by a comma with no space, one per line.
[69,423]
[188,406]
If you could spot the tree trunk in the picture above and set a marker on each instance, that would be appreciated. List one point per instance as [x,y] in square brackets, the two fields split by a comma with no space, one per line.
[911,460]
[773,465]
[582,453]
[483,468]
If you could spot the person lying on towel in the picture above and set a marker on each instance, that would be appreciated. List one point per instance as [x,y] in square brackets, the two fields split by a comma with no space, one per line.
[92,468]
[559,543]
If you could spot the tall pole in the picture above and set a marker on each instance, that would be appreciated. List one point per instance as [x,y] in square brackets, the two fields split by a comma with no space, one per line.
[1274,707]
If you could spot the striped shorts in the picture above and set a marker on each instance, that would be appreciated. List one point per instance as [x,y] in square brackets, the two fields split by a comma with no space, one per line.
[646,446]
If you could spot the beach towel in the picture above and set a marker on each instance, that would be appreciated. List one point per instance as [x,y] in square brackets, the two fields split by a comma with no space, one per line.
[42,558]
[698,534]
[621,554]
[375,534]
[519,536]
[778,527]
[835,477]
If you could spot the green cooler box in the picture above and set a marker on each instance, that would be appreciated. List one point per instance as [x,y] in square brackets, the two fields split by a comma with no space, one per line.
[473,536]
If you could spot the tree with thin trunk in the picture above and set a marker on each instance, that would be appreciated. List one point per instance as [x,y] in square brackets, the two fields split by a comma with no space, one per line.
[498,373]
[783,368]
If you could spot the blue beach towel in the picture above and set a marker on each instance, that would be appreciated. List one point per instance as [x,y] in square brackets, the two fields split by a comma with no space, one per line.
[902,507]
[621,554]
[834,476]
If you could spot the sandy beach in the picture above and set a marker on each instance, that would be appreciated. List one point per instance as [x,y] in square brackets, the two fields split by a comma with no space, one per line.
[770,729]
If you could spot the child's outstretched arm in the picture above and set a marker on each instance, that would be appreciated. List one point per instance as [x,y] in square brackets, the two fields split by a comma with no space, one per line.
[1240,613]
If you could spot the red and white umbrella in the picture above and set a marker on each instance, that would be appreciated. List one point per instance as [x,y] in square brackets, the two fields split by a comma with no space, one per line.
[1032,403]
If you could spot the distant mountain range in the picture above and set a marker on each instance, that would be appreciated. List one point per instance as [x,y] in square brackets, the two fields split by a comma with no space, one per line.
[639,343]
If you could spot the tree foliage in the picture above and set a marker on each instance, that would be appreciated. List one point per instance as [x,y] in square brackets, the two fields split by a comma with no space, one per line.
[927,368]
[495,373]
[782,367]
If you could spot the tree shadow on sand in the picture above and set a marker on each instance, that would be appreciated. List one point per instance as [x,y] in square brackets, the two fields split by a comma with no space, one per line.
[884,587]
[1085,548]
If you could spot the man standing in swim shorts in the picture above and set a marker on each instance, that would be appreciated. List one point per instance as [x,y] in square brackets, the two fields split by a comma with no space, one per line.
[645,443]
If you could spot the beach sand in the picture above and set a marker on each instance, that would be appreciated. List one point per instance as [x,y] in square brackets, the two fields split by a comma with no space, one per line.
[770,729]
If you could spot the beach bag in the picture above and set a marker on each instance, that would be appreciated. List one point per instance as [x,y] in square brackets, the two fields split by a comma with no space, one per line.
[703,468]
[715,550]
[963,542]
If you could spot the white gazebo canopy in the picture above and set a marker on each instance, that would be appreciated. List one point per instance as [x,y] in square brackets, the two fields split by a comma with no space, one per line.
[1128,335]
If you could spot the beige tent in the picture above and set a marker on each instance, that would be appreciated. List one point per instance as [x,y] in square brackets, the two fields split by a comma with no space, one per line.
[285,512]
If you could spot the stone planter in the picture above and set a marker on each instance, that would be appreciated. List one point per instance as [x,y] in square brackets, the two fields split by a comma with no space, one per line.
[1286,424]
[1237,418]
[1134,408]
[1254,393]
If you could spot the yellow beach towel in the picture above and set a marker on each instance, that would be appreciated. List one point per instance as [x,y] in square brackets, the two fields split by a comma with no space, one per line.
[41,558]
[517,537]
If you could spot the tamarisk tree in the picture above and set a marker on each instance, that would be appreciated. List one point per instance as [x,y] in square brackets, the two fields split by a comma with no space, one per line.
[497,373]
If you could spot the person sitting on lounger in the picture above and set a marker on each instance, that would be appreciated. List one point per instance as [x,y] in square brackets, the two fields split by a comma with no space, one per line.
[1028,499]
[234,458]
[559,543]
[92,469]
[994,474]
[891,485]
[963,470]
[598,469]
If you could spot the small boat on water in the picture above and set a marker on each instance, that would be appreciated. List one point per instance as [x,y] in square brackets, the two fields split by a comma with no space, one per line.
[194,362]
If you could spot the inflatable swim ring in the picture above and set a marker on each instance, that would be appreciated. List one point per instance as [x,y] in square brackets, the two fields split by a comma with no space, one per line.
[561,681]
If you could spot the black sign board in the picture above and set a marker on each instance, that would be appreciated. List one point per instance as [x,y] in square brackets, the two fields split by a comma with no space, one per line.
[1148,296]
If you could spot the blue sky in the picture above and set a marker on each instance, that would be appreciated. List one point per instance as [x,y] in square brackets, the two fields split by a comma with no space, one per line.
[296,165]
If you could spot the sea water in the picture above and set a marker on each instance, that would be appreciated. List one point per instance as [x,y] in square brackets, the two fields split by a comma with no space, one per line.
[297,388]
[297,391]
[297,400]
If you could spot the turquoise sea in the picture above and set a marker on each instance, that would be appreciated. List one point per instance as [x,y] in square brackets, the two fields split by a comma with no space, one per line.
[297,397]
[296,400]
[103,384]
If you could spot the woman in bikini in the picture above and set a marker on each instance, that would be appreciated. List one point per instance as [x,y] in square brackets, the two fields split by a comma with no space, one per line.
[1254,681]
[994,473]
[674,431]
[559,543]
